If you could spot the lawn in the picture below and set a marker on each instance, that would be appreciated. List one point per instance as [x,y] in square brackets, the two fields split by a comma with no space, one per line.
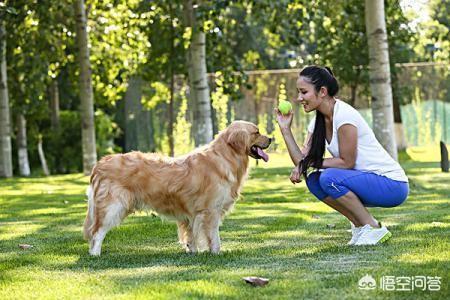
[277,230]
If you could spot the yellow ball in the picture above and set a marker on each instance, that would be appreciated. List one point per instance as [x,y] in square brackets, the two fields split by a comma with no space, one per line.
[284,107]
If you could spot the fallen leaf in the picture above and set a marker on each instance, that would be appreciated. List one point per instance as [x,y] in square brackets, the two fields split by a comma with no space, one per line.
[66,202]
[25,246]
[331,225]
[256,281]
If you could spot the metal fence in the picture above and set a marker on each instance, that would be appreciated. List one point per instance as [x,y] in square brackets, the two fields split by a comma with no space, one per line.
[423,89]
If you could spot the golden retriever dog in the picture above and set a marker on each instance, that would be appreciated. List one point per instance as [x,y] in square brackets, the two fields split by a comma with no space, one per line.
[196,190]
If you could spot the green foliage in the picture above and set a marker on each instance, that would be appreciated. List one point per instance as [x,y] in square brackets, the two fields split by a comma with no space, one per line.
[62,146]
[148,39]
[262,124]
[167,40]
[220,102]
[182,129]
[157,93]
[119,46]
[282,93]
[38,38]
[278,144]
[106,131]
[432,41]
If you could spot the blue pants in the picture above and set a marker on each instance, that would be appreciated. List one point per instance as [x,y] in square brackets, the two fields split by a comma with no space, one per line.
[373,190]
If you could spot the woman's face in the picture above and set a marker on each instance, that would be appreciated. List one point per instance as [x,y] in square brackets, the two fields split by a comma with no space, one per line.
[307,95]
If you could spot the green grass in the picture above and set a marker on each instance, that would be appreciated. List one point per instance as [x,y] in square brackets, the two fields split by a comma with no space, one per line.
[277,230]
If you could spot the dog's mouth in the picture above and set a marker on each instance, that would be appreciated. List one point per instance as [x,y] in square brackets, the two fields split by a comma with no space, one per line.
[257,152]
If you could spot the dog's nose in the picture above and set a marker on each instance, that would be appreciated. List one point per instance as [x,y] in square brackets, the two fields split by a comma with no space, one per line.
[271,139]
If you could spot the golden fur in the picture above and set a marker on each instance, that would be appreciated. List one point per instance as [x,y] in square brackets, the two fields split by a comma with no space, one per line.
[196,189]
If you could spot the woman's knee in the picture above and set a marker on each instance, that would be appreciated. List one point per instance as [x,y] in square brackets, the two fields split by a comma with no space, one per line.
[312,180]
[313,185]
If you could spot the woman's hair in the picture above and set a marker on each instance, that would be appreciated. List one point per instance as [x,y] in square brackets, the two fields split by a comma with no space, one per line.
[319,77]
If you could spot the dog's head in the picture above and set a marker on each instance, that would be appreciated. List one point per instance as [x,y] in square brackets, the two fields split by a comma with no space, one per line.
[244,138]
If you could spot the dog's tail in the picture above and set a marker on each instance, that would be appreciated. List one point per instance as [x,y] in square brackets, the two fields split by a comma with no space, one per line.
[89,221]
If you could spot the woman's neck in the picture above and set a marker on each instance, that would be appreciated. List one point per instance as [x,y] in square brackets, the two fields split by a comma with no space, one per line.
[327,108]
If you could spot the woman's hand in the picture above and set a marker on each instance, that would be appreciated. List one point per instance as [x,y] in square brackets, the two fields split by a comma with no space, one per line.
[296,175]
[284,121]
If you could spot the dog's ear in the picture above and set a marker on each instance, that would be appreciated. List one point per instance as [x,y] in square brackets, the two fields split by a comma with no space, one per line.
[239,140]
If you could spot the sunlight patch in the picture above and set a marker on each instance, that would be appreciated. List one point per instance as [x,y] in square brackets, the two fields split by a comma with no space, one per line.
[422,257]
[19,230]
[426,226]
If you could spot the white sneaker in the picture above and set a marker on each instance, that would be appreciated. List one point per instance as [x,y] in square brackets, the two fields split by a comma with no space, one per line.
[372,236]
[355,234]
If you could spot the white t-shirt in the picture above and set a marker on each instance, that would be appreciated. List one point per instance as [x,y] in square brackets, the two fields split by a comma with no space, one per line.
[371,156]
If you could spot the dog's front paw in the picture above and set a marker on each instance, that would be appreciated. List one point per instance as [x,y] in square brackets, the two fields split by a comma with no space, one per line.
[191,249]
[215,250]
[94,252]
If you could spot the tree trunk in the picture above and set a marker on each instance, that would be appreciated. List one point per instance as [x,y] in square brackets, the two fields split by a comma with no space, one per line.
[138,133]
[151,131]
[42,157]
[171,117]
[132,100]
[353,87]
[172,86]
[54,117]
[6,169]
[380,78]
[198,82]
[86,93]
[22,151]
[399,132]
[54,103]
[400,136]
[444,157]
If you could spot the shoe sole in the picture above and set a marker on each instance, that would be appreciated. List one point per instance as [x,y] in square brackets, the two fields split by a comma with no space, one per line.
[386,237]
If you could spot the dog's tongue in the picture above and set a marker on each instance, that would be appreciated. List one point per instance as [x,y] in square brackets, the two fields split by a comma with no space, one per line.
[263,155]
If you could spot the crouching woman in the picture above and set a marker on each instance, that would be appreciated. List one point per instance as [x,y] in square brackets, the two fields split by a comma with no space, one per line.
[360,173]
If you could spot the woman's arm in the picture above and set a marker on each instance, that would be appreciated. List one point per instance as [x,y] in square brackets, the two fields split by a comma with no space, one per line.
[295,152]
[284,121]
[348,142]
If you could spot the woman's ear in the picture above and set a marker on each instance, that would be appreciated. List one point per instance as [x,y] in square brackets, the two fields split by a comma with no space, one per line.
[323,91]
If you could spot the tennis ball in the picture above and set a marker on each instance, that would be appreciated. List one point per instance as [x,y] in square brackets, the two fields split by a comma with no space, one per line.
[284,107]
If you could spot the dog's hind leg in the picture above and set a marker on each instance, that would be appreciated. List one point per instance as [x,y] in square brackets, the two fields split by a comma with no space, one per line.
[88,221]
[109,215]
[185,234]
